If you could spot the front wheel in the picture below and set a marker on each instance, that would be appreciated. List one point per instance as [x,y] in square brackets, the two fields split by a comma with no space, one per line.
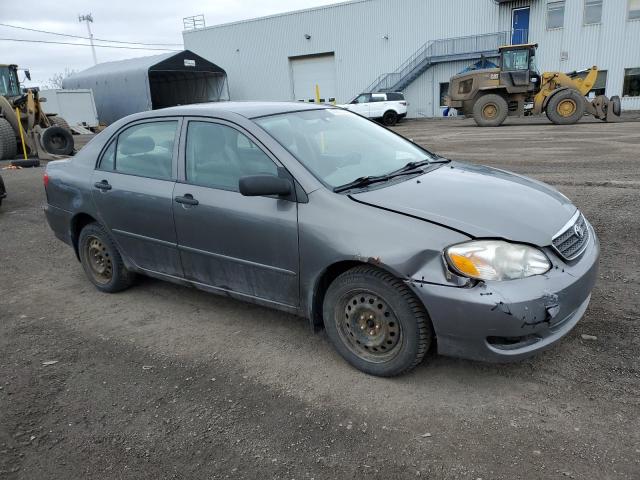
[376,322]
[566,107]
[102,261]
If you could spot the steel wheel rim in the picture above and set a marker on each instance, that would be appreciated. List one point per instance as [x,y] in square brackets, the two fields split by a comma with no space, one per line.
[368,326]
[99,260]
[490,111]
[567,107]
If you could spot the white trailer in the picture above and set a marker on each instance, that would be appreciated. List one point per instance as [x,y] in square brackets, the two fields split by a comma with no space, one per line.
[76,106]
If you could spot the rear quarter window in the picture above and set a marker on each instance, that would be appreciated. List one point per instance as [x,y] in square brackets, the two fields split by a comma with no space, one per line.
[395,96]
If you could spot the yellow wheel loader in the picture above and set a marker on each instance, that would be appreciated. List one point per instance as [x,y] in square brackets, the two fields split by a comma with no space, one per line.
[517,89]
[25,130]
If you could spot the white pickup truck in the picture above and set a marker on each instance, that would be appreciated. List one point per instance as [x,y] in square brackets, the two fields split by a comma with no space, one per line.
[389,107]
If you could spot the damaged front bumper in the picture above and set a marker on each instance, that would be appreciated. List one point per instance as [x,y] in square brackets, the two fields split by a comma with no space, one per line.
[511,320]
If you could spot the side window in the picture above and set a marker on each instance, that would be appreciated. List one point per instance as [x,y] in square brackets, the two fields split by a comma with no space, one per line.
[364,98]
[378,97]
[218,156]
[108,161]
[395,96]
[147,149]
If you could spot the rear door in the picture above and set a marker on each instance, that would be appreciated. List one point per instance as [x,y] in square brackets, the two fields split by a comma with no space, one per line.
[133,192]
[378,105]
[244,245]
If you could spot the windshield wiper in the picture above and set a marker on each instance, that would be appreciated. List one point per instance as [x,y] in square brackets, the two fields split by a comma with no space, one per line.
[438,159]
[366,181]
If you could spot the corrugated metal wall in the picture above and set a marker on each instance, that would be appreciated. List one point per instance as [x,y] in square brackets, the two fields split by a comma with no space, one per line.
[255,53]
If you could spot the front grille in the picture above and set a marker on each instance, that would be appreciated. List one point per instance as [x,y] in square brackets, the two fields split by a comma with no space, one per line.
[572,241]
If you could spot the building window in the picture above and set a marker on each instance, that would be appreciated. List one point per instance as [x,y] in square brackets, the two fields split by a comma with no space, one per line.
[634,9]
[631,86]
[555,14]
[444,91]
[592,11]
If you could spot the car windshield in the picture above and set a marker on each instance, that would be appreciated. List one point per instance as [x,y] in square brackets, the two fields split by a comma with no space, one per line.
[338,146]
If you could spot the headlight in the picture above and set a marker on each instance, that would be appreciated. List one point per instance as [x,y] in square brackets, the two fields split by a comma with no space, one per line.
[496,260]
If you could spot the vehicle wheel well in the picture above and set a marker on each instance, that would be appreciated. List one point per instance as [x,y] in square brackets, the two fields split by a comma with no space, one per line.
[78,222]
[329,275]
[326,278]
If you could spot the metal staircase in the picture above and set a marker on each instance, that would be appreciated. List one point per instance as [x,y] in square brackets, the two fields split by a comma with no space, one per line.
[439,51]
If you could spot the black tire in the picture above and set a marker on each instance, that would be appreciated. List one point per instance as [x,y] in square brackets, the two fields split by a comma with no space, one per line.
[386,332]
[566,107]
[57,141]
[33,162]
[490,110]
[390,118]
[8,141]
[615,105]
[101,260]
[60,122]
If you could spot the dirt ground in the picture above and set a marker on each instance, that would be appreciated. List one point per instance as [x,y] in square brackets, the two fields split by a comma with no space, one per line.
[163,381]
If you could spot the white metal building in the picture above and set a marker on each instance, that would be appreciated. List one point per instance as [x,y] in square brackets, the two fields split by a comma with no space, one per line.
[416,45]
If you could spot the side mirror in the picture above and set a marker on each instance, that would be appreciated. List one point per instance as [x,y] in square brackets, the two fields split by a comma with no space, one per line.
[27,74]
[264,185]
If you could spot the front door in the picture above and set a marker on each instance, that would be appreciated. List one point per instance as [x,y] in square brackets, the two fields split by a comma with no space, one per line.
[520,26]
[237,244]
[361,105]
[133,192]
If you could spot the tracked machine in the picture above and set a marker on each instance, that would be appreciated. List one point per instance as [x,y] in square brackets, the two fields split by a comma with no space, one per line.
[25,130]
[517,89]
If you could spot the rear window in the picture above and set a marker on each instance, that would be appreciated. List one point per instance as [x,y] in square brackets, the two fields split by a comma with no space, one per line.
[395,96]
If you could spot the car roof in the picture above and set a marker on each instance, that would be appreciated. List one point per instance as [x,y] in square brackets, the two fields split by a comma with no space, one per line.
[246,109]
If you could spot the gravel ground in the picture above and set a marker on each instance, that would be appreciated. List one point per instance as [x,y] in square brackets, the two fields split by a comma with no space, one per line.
[163,381]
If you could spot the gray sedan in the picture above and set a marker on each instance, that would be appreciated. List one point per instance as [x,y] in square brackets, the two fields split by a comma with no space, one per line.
[319,212]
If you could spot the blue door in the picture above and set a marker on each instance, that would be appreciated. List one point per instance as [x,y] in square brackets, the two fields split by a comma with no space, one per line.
[520,26]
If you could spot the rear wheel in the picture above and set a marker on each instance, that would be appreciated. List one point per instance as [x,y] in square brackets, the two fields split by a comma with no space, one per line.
[8,141]
[375,322]
[490,110]
[390,118]
[102,261]
[566,107]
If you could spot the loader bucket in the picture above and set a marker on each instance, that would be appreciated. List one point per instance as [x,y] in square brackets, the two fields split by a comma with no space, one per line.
[605,109]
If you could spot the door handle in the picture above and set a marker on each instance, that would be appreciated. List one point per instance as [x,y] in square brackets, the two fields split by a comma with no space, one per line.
[187,199]
[103,185]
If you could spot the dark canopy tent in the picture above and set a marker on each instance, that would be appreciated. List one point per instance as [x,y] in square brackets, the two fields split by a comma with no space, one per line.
[148,83]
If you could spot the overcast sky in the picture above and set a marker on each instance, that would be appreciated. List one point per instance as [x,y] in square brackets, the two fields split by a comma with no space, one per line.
[148,21]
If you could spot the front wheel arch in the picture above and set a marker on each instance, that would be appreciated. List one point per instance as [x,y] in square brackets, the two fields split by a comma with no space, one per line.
[327,276]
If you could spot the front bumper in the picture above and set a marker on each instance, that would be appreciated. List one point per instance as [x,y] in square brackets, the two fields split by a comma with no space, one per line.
[512,320]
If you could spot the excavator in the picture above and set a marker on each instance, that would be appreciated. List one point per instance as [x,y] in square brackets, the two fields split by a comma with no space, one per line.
[25,128]
[517,89]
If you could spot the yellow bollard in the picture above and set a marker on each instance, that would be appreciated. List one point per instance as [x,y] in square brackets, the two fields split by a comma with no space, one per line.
[24,147]
[317,93]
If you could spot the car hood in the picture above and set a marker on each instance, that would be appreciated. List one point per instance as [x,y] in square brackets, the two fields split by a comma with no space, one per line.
[479,201]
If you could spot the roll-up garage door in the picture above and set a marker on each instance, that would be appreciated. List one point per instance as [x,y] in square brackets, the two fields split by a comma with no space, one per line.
[312,70]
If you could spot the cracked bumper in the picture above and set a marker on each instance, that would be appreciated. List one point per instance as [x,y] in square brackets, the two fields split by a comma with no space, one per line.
[512,320]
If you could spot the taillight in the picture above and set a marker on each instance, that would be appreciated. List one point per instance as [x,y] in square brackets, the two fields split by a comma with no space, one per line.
[45,179]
